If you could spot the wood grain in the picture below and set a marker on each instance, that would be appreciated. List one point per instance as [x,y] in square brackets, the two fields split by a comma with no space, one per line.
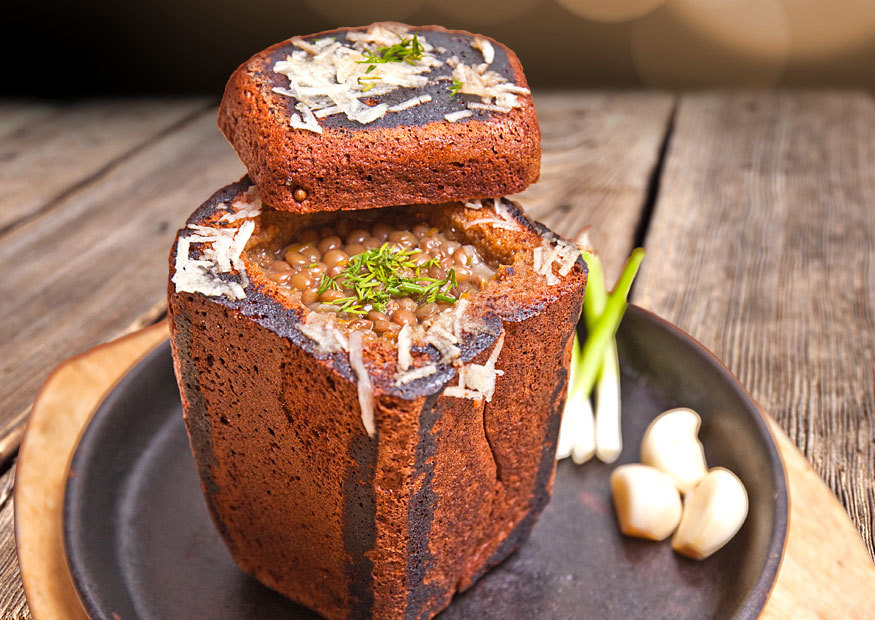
[61,411]
[12,601]
[97,262]
[45,155]
[826,571]
[599,152]
[762,246]
[16,114]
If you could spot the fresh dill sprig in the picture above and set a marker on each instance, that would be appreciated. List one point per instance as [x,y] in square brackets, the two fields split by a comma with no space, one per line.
[456,87]
[379,274]
[406,50]
[368,81]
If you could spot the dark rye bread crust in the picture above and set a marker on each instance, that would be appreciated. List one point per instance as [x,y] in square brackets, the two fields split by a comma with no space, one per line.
[409,157]
[384,527]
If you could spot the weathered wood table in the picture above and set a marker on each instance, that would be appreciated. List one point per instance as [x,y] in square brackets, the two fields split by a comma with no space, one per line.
[757,212]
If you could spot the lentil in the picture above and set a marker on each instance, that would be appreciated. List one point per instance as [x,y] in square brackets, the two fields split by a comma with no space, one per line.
[311,270]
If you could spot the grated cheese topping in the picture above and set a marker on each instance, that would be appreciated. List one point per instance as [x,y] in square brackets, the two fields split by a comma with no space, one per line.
[245,208]
[457,116]
[477,381]
[496,93]
[406,105]
[416,373]
[439,339]
[405,359]
[321,328]
[485,48]
[444,333]
[365,392]
[494,221]
[504,220]
[551,251]
[219,254]
[328,76]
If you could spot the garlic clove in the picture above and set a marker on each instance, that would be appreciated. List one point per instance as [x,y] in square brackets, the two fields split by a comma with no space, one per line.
[714,511]
[646,501]
[671,444]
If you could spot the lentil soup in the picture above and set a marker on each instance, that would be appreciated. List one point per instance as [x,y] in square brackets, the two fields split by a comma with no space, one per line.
[375,276]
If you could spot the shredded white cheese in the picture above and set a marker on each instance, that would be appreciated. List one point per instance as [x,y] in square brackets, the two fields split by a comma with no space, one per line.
[321,328]
[537,259]
[567,254]
[309,121]
[485,48]
[220,254]
[502,210]
[457,116]
[553,250]
[460,320]
[406,105]
[474,204]
[489,107]
[505,219]
[448,350]
[477,381]
[245,208]
[496,93]
[416,373]
[365,392]
[327,77]
[405,359]
[494,221]
[443,332]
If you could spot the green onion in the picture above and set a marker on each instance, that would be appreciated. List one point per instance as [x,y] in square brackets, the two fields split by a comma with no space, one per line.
[596,364]
[605,327]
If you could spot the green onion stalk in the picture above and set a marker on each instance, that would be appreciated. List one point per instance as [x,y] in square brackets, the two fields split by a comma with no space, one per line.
[595,368]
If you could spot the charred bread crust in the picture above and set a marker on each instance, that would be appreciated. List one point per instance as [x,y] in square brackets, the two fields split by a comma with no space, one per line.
[385,526]
[409,157]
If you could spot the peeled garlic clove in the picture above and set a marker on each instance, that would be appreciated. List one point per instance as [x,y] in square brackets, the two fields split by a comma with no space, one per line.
[671,444]
[714,511]
[646,501]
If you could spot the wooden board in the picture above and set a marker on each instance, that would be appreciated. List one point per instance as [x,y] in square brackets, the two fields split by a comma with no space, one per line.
[97,262]
[60,413]
[822,576]
[762,246]
[12,600]
[77,143]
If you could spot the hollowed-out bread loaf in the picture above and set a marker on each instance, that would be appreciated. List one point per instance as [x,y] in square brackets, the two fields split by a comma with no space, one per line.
[351,487]
[320,128]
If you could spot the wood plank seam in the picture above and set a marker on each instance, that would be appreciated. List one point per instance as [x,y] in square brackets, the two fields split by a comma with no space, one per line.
[107,168]
[655,182]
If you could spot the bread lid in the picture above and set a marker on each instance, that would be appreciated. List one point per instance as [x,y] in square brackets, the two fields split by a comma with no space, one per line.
[382,115]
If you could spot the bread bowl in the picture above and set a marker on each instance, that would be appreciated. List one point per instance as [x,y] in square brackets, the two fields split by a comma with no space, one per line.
[372,143]
[354,486]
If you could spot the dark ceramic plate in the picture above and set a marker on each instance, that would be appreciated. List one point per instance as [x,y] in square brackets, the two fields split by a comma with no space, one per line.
[140,543]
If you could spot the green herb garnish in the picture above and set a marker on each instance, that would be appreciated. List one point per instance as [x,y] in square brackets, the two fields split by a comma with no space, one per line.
[377,275]
[406,50]
[456,87]
[370,84]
